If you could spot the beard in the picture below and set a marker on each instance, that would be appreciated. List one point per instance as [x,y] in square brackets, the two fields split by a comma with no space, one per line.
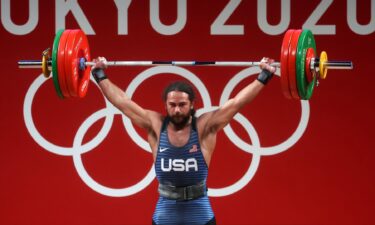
[180,121]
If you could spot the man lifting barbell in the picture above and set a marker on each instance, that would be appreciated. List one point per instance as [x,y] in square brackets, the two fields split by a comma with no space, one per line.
[182,144]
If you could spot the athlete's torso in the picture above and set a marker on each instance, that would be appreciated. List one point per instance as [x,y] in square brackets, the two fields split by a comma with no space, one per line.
[180,167]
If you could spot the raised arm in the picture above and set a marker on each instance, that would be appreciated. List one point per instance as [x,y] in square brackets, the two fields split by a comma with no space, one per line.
[141,117]
[218,119]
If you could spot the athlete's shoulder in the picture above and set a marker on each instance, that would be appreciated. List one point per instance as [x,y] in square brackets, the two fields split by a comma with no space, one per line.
[203,121]
[155,120]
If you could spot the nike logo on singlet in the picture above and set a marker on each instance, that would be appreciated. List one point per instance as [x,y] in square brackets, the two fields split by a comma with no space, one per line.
[163,149]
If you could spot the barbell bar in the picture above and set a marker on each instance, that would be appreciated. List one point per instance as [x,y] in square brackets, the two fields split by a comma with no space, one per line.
[36,64]
[71,66]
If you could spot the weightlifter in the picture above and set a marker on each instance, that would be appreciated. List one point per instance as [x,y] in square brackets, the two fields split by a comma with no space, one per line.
[182,144]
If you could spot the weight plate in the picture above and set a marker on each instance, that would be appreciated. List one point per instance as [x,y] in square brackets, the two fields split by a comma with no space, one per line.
[77,47]
[306,41]
[292,64]
[61,63]
[71,75]
[284,64]
[322,67]
[54,63]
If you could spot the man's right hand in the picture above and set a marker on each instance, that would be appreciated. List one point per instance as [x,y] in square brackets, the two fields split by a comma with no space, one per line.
[100,62]
[97,70]
[267,70]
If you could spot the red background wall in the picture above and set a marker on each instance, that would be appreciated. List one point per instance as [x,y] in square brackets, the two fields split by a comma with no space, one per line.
[326,177]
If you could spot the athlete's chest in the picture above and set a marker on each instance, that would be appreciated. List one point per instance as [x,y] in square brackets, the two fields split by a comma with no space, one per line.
[178,138]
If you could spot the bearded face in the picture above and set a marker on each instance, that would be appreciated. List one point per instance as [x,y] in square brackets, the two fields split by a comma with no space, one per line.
[178,108]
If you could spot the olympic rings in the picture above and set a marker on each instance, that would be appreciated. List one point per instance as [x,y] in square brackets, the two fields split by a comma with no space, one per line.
[39,139]
[90,181]
[264,150]
[77,148]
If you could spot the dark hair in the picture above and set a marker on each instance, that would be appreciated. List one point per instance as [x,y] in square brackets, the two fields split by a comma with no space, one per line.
[179,86]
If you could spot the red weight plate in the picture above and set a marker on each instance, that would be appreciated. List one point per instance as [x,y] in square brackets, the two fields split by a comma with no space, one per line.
[310,54]
[78,47]
[71,75]
[292,64]
[84,75]
[284,64]
[61,63]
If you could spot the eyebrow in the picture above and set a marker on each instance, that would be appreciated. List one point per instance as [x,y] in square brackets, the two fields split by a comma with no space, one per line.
[177,103]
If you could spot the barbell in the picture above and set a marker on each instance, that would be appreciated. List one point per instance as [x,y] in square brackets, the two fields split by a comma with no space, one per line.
[71,66]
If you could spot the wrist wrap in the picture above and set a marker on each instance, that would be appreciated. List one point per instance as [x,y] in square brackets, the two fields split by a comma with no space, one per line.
[98,74]
[265,76]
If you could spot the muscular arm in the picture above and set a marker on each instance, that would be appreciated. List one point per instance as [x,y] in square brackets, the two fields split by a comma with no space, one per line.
[210,123]
[218,119]
[147,119]
[118,98]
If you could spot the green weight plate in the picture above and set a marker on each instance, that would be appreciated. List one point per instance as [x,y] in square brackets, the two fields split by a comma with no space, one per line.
[54,63]
[305,41]
[292,60]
